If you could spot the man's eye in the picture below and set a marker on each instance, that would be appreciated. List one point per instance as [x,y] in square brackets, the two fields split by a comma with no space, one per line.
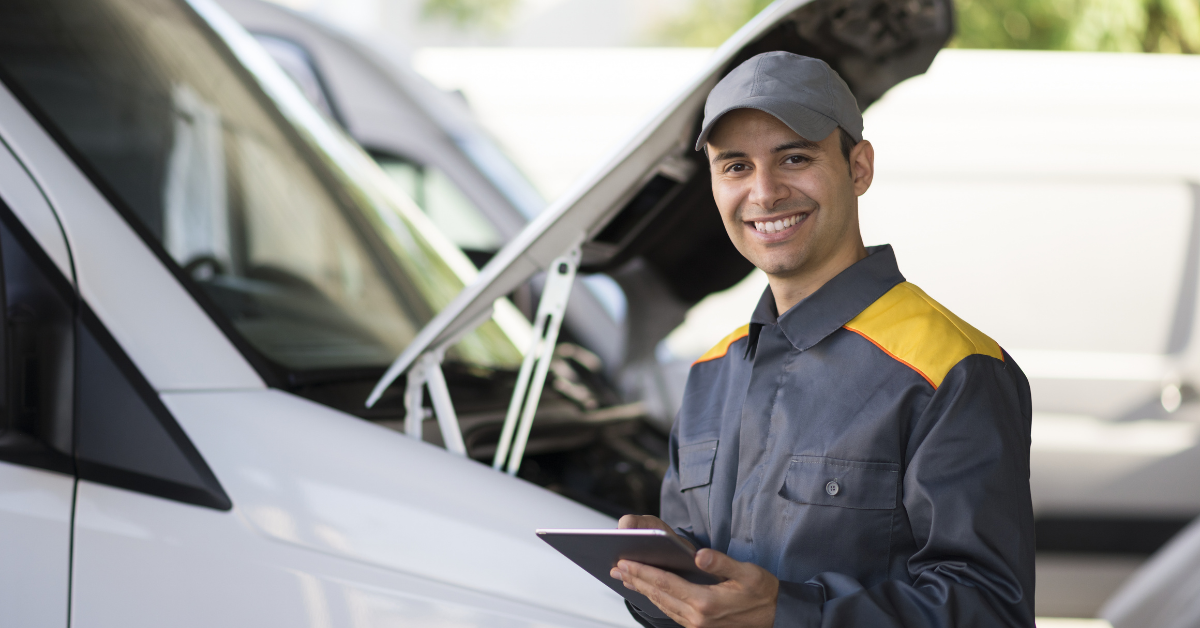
[796,159]
[736,168]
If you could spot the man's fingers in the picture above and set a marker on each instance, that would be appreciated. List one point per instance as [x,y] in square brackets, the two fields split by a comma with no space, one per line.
[642,522]
[668,591]
[720,565]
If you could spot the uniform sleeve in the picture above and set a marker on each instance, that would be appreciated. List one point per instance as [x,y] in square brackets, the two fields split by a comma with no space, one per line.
[966,494]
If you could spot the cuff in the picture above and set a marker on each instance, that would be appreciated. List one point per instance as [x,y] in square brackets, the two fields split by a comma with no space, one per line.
[650,621]
[799,605]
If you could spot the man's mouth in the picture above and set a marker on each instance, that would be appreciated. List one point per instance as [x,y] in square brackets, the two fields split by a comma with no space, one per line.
[779,224]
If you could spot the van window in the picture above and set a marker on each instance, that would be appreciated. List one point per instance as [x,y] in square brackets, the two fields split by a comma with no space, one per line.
[447,206]
[36,353]
[285,237]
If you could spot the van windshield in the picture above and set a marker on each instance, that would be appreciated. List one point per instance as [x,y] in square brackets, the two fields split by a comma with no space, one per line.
[283,228]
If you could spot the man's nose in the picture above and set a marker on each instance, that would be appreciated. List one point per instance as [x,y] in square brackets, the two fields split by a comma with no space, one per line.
[767,189]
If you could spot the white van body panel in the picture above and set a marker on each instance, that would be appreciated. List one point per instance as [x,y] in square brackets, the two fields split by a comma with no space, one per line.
[336,520]
[35,505]
[35,546]
[28,203]
[1164,592]
[166,334]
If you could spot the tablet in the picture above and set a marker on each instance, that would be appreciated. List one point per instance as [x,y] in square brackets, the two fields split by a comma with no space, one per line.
[597,552]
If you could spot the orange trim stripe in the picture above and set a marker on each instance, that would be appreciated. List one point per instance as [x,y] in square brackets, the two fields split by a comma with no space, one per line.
[893,355]
[722,347]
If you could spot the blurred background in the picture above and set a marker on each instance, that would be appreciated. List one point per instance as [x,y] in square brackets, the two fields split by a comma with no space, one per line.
[575,77]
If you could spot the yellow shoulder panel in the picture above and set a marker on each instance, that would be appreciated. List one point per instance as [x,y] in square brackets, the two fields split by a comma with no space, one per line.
[722,347]
[917,331]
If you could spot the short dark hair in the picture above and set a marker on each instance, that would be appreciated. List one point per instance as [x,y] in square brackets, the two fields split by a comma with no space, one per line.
[848,143]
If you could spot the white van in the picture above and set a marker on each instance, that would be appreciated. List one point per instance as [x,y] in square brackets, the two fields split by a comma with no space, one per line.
[200,272]
[183,239]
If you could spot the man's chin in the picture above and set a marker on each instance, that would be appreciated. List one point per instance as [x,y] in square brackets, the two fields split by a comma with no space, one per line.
[782,268]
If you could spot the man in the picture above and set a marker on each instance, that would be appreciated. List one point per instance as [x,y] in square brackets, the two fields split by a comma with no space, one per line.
[857,455]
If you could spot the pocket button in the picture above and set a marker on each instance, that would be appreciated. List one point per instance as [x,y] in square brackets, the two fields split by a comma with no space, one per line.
[832,488]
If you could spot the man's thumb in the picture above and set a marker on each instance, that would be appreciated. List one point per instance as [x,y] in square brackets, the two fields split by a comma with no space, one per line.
[717,564]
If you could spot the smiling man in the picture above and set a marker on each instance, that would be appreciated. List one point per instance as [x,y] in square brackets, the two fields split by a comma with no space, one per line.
[857,455]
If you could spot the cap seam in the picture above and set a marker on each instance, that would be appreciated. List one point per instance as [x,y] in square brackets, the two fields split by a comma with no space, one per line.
[829,90]
[757,72]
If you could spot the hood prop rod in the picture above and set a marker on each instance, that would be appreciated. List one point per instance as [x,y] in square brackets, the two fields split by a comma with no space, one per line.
[532,377]
[426,371]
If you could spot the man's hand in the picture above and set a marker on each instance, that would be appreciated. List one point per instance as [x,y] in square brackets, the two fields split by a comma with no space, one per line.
[747,597]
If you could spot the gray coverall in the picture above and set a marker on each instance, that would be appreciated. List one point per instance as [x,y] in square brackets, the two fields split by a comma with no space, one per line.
[871,450]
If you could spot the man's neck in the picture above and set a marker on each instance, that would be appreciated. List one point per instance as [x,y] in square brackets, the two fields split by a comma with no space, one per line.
[792,289]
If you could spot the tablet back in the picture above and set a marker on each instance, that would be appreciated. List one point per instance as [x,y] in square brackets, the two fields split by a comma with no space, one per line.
[597,552]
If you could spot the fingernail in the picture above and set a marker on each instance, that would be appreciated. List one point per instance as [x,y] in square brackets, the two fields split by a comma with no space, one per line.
[615,573]
[703,559]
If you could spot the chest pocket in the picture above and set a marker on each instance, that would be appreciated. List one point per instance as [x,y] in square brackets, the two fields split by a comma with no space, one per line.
[842,483]
[696,464]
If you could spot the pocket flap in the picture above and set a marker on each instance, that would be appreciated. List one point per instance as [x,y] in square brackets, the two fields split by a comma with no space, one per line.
[696,464]
[844,483]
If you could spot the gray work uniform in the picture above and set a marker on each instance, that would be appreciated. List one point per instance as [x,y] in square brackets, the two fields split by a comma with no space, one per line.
[871,450]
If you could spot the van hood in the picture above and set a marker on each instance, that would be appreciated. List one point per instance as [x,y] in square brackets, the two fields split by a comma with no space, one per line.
[317,480]
[647,216]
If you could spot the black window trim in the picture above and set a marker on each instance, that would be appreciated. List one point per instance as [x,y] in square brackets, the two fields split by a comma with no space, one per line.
[69,463]
[212,496]
[51,459]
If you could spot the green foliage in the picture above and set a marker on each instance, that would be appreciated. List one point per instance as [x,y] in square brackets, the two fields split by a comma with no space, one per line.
[1098,25]
[1138,25]
[465,14]
[707,23]
[1014,24]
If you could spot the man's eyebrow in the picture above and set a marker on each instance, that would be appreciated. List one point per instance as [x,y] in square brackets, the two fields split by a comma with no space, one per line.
[801,144]
[729,154]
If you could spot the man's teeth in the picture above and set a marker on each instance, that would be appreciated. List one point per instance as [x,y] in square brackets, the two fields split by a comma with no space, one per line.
[778,225]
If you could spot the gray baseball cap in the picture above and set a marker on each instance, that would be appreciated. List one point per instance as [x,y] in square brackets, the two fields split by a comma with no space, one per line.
[804,93]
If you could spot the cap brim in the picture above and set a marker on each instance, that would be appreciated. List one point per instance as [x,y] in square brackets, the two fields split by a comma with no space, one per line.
[805,122]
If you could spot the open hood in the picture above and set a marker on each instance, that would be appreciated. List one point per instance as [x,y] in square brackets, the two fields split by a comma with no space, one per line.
[647,216]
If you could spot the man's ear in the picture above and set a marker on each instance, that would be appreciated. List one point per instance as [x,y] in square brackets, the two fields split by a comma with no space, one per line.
[862,166]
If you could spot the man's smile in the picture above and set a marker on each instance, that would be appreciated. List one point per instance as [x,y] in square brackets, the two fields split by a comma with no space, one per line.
[778,228]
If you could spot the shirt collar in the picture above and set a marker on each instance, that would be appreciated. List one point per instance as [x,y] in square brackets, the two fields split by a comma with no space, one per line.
[833,304]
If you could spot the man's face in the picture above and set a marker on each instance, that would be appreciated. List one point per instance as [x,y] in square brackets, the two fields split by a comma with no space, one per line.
[788,204]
